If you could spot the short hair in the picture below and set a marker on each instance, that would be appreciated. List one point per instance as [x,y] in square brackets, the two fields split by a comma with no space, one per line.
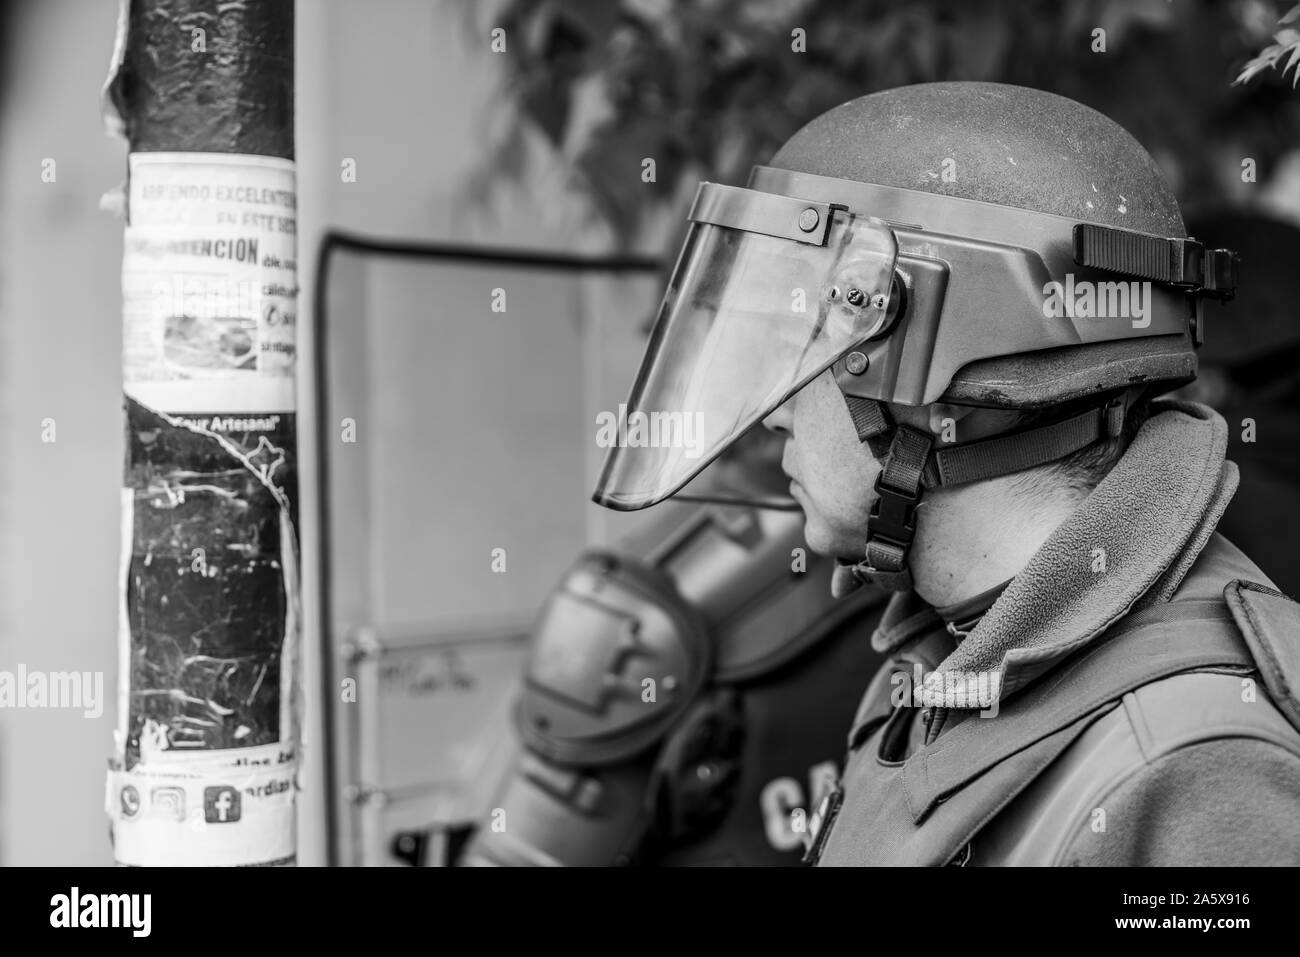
[1081,471]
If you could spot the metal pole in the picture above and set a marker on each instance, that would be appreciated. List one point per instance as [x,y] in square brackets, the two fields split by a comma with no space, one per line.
[205,762]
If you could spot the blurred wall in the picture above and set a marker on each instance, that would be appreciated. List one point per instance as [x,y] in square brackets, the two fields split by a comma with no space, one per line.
[60,311]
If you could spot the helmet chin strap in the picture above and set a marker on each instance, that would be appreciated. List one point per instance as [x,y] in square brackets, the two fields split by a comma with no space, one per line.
[911,464]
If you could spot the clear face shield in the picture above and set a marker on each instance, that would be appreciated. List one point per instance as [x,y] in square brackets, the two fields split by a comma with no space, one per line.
[770,291]
[748,474]
[767,294]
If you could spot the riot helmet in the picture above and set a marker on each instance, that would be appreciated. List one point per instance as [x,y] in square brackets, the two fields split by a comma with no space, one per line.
[976,244]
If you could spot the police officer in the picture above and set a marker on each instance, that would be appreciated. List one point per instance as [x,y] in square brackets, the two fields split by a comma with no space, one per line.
[687,693]
[958,302]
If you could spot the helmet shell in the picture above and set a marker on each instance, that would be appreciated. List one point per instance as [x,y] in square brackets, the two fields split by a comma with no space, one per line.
[1022,148]
[1009,145]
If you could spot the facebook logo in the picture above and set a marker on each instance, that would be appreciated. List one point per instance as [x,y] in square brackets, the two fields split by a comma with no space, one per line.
[220,805]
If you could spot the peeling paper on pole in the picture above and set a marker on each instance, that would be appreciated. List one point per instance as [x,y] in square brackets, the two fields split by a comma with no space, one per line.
[109,111]
[205,766]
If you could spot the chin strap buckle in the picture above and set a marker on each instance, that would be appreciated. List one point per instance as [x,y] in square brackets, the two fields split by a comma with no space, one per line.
[893,514]
[892,522]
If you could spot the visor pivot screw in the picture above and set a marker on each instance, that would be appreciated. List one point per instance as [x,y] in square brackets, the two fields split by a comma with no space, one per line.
[855,296]
[808,220]
[856,363]
[879,300]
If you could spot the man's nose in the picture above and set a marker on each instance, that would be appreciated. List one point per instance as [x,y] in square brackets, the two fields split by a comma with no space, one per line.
[780,420]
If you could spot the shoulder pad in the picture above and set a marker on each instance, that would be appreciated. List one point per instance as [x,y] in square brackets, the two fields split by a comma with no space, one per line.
[617,656]
[1270,623]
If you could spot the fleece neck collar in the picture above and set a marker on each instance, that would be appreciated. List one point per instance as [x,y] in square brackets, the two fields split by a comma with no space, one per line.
[1128,544]
[962,617]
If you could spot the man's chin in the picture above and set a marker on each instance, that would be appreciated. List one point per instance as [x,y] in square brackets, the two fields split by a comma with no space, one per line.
[818,535]
[824,540]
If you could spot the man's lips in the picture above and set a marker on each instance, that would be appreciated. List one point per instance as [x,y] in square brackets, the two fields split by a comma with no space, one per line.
[794,479]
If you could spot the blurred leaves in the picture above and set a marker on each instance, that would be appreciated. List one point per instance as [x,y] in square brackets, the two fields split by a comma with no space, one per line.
[708,87]
[1287,45]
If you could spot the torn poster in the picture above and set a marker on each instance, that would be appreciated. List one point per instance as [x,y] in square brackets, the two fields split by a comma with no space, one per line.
[207,735]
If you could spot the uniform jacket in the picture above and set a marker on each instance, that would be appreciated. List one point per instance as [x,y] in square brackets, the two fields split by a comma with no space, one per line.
[1002,753]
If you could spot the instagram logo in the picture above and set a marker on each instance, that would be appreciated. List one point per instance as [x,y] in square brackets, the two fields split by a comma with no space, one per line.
[169,801]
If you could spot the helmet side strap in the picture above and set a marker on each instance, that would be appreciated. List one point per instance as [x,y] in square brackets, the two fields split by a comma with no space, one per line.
[911,465]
